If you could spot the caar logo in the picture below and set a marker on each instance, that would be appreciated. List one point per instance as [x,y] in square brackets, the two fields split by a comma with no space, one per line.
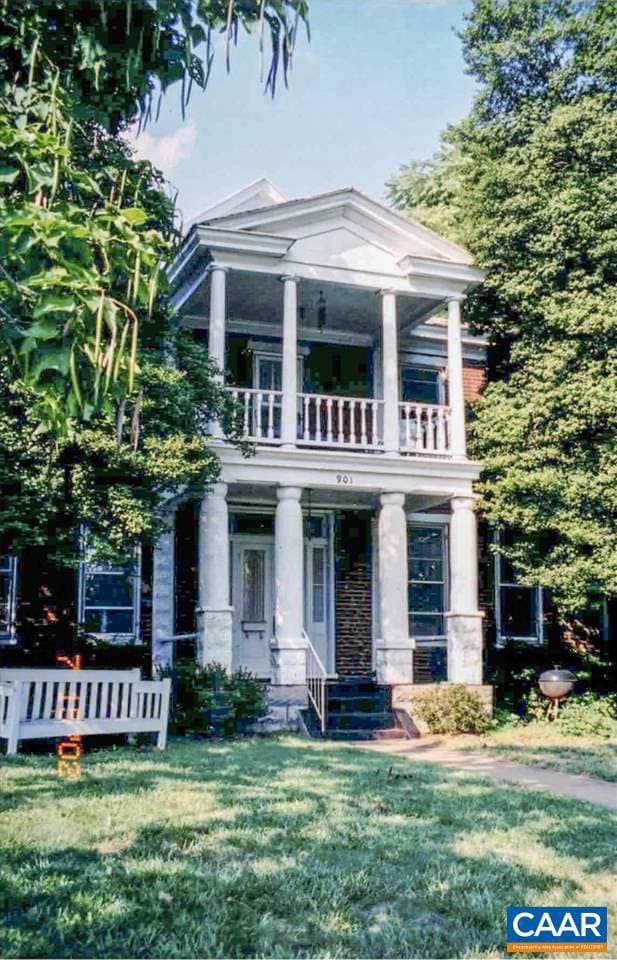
[552,929]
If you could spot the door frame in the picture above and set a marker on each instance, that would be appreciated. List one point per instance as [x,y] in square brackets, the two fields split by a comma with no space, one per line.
[329,515]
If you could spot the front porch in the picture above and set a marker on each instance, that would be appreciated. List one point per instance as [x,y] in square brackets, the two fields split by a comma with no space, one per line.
[304,584]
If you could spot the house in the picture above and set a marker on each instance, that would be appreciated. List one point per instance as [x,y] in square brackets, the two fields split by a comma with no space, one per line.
[347,543]
[322,311]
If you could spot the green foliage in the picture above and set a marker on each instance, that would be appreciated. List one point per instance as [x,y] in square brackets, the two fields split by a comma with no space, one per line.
[580,715]
[530,177]
[209,700]
[451,708]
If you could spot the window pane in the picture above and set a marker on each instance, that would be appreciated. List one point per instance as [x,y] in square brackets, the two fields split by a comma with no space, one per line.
[427,625]
[269,374]
[426,597]
[426,569]
[518,611]
[109,590]
[254,585]
[119,621]
[419,385]
[314,527]
[319,583]
[426,543]
[4,617]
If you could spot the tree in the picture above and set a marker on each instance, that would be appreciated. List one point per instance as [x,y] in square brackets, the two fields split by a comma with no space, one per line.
[97,424]
[536,203]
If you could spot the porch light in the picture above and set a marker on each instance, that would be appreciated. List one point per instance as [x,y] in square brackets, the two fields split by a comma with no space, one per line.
[321,311]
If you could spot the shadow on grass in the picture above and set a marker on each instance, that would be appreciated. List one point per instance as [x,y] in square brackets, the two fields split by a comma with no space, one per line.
[280,848]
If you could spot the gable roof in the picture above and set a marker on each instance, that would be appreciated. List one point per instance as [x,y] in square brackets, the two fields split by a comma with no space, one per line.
[398,232]
[256,195]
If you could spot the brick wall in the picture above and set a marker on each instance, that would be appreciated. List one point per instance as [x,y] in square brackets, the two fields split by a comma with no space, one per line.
[474,378]
[353,594]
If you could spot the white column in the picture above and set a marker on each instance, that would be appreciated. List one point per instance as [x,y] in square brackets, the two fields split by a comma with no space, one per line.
[290,362]
[464,618]
[288,644]
[216,332]
[389,359]
[214,612]
[455,381]
[393,653]
[163,597]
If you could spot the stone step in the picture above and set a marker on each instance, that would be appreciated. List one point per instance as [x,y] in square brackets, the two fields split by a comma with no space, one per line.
[358,720]
[359,702]
[392,733]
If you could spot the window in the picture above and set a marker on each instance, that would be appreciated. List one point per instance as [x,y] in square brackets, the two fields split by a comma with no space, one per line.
[8,584]
[420,385]
[427,582]
[518,609]
[319,584]
[110,598]
[254,585]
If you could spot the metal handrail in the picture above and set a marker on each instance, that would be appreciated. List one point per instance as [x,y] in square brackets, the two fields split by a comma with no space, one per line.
[316,677]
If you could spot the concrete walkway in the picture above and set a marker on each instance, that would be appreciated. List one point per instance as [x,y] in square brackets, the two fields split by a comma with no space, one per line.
[600,792]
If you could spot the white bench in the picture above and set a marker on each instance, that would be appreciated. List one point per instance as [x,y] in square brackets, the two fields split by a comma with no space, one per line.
[62,703]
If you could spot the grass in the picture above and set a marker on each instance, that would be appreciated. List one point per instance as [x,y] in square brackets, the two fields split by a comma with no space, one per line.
[281,848]
[537,744]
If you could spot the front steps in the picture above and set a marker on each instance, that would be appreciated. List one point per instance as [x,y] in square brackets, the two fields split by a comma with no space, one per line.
[358,709]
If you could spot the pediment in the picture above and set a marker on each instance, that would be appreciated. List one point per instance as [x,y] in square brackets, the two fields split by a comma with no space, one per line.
[325,215]
[339,246]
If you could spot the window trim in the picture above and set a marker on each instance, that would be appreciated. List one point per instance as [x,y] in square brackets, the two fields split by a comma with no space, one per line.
[501,638]
[8,636]
[136,607]
[420,521]
[441,381]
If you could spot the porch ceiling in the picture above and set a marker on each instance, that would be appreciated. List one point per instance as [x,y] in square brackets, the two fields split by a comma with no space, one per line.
[256,495]
[258,298]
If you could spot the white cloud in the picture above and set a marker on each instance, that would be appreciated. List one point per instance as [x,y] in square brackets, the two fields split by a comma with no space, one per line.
[168,151]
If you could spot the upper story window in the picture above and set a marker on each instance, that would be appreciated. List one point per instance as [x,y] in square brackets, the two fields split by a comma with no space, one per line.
[427,581]
[518,609]
[109,598]
[421,385]
[8,596]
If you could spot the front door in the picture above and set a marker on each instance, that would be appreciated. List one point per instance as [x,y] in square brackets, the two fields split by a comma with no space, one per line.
[317,600]
[252,597]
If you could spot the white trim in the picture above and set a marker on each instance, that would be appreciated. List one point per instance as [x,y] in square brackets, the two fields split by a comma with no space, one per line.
[536,639]
[8,636]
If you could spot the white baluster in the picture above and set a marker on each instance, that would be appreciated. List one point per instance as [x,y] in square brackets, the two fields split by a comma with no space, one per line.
[441,431]
[419,437]
[341,434]
[260,400]
[447,428]
[352,422]
[317,401]
[306,433]
[363,439]
[430,429]
[247,413]
[329,419]
[270,416]
[374,411]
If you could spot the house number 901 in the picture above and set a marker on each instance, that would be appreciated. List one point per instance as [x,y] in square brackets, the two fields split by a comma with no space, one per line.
[345,478]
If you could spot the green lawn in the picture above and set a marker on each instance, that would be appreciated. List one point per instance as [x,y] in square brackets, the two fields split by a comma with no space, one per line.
[538,745]
[281,848]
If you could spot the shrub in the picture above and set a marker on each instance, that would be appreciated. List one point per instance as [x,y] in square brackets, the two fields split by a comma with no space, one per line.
[210,701]
[451,708]
[587,715]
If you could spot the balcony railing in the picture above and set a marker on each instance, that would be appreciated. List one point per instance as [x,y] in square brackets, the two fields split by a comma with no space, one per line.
[261,414]
[340,421]
[425,428]
[343,422]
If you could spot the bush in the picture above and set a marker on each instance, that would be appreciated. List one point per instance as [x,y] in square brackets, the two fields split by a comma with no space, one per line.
[583,715]
[451,708]
[210,701]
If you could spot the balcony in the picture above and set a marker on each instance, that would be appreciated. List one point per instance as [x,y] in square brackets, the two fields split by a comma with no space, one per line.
[336,422]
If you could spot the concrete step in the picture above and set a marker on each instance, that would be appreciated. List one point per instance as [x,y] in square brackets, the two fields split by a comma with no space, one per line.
[359,720]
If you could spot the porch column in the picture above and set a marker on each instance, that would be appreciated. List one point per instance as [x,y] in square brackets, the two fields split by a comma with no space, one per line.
[394,648]
[216,331]
[288,644]
[214,614]
[456,394]
[289,378]
[389,359]
[464,618]
[163,596]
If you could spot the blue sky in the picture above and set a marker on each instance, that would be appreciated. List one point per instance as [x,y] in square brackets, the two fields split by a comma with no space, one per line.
[374,88]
